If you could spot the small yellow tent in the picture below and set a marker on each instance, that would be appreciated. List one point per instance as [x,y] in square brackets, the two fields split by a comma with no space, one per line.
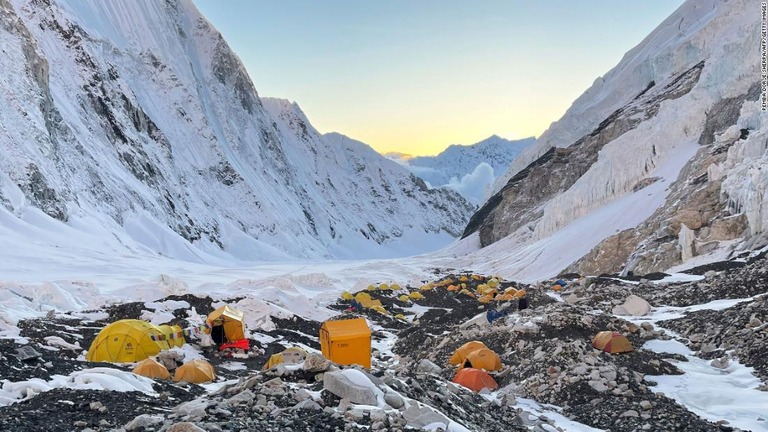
[483,358]
[195,371]
[126,341]
[346,342]
[226,324]
[461,352]
[612,342]
[290,355]
[150,368]
[174,335]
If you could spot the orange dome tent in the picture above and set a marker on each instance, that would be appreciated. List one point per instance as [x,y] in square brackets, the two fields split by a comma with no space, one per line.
[150,368]
[475,379]
[612,342]
[461,352]
[483,358]
[195,371]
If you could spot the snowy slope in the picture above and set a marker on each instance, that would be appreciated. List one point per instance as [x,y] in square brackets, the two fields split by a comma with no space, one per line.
[135,118]
[469,169]
[659,161]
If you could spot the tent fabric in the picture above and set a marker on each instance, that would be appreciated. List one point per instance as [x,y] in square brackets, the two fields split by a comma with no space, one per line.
[461,352]
[150,368]
[475,379]
[483,358]
[292,355]
[346,342]
[174,335]
[612,342]
[126,341]
[195,371]
[231,322]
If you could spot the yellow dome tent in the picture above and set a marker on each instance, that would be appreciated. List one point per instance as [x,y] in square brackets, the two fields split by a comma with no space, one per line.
[174,335]
[290,355]
[150,368]
[126,341]
[612,342]
[461,352]
[483,358]
[226,325]
[195,371]
[346,342]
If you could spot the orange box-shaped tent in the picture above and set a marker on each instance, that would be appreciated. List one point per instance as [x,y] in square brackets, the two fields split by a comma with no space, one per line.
[346,342]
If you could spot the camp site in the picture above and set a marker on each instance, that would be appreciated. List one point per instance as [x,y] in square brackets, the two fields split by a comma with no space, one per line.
[387,355]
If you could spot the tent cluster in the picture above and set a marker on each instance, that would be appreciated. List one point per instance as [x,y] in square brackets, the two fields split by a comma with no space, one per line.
[558,285]
[194,371]
[474,360]
[484,289]
[130,340]
[365,300]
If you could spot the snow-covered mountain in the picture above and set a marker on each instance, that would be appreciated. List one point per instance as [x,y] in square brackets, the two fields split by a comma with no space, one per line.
[661,161]
[136,121]
[469,169]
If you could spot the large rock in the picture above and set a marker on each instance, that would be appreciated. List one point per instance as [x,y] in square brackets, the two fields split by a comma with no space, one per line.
[418,416]
[633,305]
[350,384]
[185,427]
[143,421]
[427,366]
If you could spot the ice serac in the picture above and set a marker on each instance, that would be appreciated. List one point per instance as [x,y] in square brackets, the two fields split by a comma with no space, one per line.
[136,118]
[671,136]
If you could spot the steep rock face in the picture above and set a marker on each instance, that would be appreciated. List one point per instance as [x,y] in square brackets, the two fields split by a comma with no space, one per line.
[670,137]
[138,117]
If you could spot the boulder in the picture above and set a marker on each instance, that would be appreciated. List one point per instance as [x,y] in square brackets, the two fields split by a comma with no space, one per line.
[184,427]
[427,366]
[316,363]
[633,305]
[143,421]
[350,384]
[418,416]
[394,400]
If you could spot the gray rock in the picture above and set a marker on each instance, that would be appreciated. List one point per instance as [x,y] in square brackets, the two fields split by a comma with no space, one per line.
[629,413]
[720,363]
[143,421]
[598,386]
[427,366]
[394,400]
[194,409]
[302,394]
[242,397]
[308,404]
[185,427]
[418,416]
[633,305]
[339,384]
[646,405]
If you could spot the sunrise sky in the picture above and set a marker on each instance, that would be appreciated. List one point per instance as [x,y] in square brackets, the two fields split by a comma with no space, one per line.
[415,76]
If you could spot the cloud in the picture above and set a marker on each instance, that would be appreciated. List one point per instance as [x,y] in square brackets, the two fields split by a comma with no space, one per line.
[474,184]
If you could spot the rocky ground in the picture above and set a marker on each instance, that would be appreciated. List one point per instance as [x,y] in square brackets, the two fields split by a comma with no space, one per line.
[545,349]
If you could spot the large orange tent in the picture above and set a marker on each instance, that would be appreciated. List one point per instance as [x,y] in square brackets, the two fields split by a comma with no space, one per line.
[483,358]
[461,352]
[475,379]
[612,342]
[346,341]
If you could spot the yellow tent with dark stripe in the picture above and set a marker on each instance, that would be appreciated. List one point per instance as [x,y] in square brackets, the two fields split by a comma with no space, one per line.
[126,341]
[150,368]
[195,371]
[483,358]
[463,351]
[612,342]
[231,321]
